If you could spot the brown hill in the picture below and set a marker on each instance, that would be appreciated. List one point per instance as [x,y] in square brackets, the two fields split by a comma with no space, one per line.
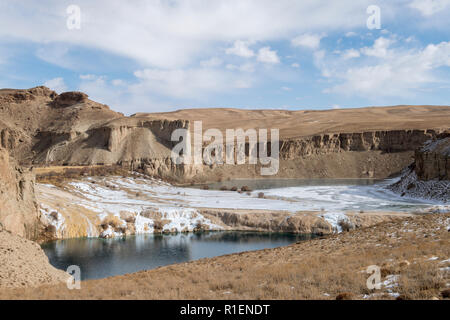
[39,127]
[302,123]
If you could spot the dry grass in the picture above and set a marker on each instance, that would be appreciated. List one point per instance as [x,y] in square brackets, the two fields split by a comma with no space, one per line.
[57,175]
[326,268]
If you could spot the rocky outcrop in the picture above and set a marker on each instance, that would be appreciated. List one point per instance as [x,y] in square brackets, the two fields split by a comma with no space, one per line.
[18,208]
[24,264]
[68,99]
[385,141]
[267,221]
[40,127]
[429,176]
[433,160]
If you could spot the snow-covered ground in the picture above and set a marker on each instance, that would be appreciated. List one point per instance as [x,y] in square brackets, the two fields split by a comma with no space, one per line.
[178,206]
[410,187]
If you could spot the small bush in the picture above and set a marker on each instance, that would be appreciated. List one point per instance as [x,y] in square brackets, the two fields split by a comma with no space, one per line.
[158,224]
[345,225]
[54,215]
[261,195]
[344,296]
[445,293]
[51,229]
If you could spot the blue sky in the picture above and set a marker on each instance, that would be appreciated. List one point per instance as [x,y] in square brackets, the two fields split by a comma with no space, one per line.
[163,55]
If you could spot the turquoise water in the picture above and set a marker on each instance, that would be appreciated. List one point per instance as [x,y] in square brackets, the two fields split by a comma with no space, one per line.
[262,184]
[101,258]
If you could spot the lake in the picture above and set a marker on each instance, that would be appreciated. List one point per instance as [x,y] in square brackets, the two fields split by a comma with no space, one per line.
[101,258]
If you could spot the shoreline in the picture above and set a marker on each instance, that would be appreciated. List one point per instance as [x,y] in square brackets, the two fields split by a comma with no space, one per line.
[270,273]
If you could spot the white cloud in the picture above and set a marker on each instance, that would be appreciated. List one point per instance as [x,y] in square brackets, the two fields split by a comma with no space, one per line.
[351,34]
[387,72]
[56,84]
[88,77]
[118,82]
[379,48]
[211,63]
[173,34]
[246,67]
[241,49]
[189,83]
[429,7]
[350,54]
[311,41]
[286,88]
[295,65]
[267,55]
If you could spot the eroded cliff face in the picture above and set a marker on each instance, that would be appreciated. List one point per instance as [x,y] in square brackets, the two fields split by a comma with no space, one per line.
[18,207]
[40,127]
[429,176]
[433,160]
[385,141]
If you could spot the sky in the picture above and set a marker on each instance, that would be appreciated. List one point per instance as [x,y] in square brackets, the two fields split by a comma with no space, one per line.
[164,55]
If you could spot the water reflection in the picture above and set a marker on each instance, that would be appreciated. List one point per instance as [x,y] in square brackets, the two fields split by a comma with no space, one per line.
[262,184]
[100,258]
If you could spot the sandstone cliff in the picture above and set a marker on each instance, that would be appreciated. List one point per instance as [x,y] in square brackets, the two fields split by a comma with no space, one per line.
[24,264]
[429,176]
[18,207]
[433,160]
[40,127]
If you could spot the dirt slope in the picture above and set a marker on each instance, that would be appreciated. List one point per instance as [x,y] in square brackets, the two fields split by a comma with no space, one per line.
[302,123]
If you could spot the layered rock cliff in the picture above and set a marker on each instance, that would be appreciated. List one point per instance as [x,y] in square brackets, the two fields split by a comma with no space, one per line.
[429,176]
[433,160]
[18,207]
[43,128]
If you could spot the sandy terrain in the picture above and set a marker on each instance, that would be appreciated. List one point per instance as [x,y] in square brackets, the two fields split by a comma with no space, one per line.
[302,123]
[24,264]
[412,253]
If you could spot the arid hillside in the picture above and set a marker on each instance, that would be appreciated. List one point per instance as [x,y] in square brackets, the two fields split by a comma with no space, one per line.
[41,128]
[412,253]
[305,123]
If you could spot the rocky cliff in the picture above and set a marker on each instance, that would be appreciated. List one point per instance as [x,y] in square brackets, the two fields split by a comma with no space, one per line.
[429,176]
[40,127]
[432,161]
[18,207]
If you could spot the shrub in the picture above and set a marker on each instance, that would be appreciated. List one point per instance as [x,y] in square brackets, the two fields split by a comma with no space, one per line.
[157,224]
[345,225]
[445,293]
[344,296]
[261,195]
[54,215]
